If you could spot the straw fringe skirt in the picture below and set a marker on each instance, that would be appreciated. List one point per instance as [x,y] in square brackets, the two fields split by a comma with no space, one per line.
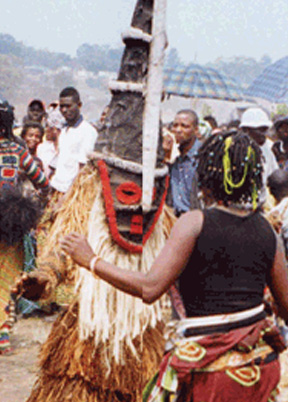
[75,371]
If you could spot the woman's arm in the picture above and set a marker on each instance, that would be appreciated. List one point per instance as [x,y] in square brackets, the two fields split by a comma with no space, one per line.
[35,174]
[164,271]
[278,282]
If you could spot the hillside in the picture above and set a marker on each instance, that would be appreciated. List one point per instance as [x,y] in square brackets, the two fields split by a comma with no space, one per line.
[27,73]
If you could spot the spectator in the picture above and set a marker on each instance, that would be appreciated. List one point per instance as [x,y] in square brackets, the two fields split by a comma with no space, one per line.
[19,157]
[32,133]
[213,124]
[278,216]
[183,171]
[256,124]
[76,140]
[47,150]
[233,124]
[280,147]
[35,112]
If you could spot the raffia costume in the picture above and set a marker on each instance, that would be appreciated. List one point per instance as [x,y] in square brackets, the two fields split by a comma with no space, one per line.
[108,344]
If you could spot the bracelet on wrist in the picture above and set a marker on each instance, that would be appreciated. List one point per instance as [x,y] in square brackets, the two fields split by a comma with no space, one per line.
[93,262]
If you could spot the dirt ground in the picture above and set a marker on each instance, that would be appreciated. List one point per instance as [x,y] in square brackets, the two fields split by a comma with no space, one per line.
[18,370]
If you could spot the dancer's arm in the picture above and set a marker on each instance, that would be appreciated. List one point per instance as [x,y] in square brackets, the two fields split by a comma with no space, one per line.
[34,286]
[164,271]
[40,283]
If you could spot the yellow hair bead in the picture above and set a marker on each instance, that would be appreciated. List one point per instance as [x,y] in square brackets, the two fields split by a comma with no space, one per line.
[229,185]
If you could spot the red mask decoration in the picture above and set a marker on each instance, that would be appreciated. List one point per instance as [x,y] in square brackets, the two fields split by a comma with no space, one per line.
[129,226]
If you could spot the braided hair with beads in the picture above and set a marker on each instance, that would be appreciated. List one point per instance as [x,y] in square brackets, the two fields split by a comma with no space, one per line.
[230,167]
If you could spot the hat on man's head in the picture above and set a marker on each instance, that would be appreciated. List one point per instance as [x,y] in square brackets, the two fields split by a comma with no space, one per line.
[37,102]
[255,117]
[278,123]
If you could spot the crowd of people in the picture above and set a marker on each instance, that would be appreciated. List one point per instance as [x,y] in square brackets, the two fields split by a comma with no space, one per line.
[229,195]
[37,166]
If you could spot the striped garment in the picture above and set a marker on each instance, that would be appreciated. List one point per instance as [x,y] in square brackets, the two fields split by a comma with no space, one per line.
[14,157]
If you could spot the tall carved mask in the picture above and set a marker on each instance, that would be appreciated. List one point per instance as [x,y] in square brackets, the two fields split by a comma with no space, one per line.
[118,150]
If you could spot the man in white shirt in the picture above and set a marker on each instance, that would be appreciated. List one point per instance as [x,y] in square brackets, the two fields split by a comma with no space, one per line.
[76,141]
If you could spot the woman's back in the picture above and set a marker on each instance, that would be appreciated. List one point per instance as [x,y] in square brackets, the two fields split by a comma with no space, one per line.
[228,268]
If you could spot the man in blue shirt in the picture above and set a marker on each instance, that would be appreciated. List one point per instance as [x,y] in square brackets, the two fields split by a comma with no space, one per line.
[183,181]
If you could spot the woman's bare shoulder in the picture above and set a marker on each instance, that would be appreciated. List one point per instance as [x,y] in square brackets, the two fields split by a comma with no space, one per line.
[191,223]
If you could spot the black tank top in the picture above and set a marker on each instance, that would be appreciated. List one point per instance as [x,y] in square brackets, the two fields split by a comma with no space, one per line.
[230,265]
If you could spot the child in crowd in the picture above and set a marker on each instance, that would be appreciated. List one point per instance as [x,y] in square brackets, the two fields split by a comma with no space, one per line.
[32,133]
[47,151]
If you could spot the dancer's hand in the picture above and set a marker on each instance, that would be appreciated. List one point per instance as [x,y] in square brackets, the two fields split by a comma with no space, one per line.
[78,248]
[32,286]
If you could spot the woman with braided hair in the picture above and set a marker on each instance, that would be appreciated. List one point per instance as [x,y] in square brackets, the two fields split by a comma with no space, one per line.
[224,349]
[230,170]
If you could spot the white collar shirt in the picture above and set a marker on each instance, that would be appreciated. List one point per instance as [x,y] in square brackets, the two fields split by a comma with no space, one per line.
[75,143]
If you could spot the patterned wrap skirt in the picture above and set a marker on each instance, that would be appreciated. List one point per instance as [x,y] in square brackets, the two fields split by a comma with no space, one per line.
[238,365]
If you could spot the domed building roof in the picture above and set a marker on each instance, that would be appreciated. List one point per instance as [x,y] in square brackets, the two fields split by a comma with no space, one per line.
[272,83]
[201,82]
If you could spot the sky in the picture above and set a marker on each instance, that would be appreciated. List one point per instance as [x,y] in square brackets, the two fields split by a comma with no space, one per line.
[202,31]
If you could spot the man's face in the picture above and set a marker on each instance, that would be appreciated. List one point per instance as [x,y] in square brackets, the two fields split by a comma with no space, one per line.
[70,109]
[258,134]
[35,113]
[282,132]
[184,129]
